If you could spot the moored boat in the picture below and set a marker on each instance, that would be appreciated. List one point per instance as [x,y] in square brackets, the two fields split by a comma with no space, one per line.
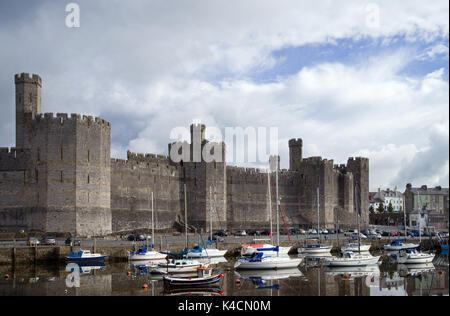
[398,244]
[354,247]
[143,254]
[261,262]
[84,256]
[204,277]
[268,249]
[411,256]
[350,259]
[177,266]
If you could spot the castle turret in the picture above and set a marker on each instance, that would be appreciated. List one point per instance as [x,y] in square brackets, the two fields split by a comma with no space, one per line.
[295,153]
[28,101]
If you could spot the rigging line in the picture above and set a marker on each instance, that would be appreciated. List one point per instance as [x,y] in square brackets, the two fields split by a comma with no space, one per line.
[281,212]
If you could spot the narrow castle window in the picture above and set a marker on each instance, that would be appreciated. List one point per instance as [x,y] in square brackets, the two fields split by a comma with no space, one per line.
[61,176]
[62,153]
[89,156]
[88,179]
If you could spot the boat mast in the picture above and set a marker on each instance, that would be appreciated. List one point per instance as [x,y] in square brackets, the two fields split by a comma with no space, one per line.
[357,220]
[278,207]
[420,218]
[185,219]
[210,213]
[270,204]
[153,224]
[318,214]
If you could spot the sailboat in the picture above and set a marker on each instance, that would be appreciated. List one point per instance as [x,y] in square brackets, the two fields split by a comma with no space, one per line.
[259,260]
[413,256]
[258,245]
[180,265]
[199,251]
[144,254]
[316,248]
[349,258]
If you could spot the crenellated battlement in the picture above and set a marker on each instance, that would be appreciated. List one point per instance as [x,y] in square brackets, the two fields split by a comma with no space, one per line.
[148,158]
[295,142]
[61,118]
[13,159]
[26,78]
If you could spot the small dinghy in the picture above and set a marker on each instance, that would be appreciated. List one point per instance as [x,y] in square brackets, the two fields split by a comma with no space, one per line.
[204,277]
[84,256]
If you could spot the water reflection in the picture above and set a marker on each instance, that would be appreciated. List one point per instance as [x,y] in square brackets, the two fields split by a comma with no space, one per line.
[310,279]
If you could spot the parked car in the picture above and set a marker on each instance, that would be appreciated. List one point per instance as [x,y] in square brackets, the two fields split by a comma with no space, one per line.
[49,241]
[374,236]
[325,231]
[240,233]
[312,231]
[32,241]
[221,233]
[302,231]
[265,232]
[254,233]
[351,232]
[74,241]
[138,237]
[331,231]
[217,238]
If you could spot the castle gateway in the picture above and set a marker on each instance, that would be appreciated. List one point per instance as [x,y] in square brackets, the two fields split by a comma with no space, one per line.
[60,178]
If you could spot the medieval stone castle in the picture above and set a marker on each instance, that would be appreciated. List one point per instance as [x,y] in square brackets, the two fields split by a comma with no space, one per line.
[60,178]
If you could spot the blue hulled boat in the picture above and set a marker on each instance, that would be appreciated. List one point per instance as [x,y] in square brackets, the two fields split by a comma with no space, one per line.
[84,256]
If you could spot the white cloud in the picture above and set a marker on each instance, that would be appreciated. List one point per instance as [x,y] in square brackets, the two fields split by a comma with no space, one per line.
[155,65]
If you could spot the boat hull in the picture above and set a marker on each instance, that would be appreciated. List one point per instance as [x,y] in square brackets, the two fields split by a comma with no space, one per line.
[188,282]
[362,248]
[151,255]
[416,259]
[93,259]
[316,250]
[207,253]
[351,262]
[284,263]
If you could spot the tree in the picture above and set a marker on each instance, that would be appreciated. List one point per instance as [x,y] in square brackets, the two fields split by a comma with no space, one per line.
[371,209]
[390,208]
[380,208]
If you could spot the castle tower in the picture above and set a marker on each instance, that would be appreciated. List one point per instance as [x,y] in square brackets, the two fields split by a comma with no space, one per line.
[28,101]
[359,167]
[295,153]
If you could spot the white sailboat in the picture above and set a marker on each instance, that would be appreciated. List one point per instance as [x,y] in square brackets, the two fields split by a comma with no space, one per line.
[259,260]
[144,254]
[317,248]
[413,256]
[199,251]
[349,258]
[180,265]
[355,247]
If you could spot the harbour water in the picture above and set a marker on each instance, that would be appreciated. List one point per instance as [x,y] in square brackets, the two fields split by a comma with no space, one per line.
[310,279]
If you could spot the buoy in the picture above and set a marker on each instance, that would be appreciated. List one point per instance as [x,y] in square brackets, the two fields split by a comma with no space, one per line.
[221,275]
[347,276]
[145,286]
[128,273]
[440,271]
[221,292]
[6,276]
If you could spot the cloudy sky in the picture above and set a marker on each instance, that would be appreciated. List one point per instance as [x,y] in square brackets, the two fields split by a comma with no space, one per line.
[352,78]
